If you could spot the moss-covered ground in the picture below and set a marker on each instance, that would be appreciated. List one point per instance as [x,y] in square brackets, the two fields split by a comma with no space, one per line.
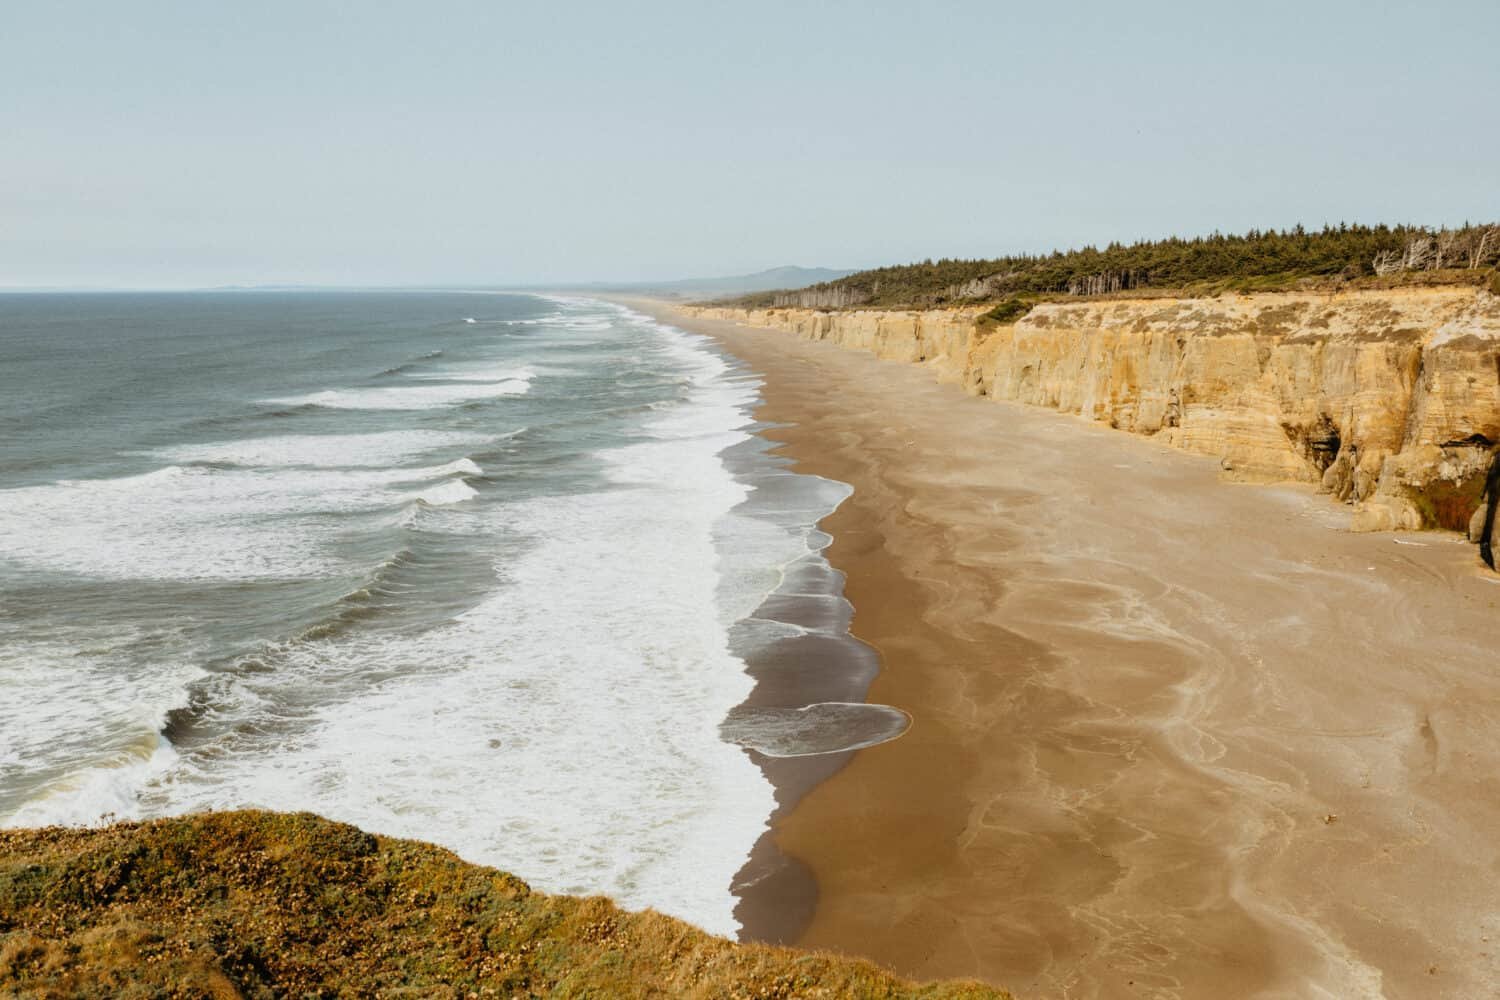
[257,904]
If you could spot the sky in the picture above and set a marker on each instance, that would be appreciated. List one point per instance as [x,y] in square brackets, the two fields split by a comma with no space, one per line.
[189,144]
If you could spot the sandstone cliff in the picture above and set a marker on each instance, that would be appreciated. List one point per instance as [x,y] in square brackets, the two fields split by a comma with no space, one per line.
[1389,400]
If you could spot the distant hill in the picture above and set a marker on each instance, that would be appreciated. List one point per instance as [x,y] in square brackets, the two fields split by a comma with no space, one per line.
[772,280]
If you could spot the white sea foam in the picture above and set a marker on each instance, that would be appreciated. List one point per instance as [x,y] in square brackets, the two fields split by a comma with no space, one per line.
[79,722]
[477,371]
[755,549]
[103,792]
[199,523]
[416,397]
[379,448]
[466,466]
[456,491]
[586,694]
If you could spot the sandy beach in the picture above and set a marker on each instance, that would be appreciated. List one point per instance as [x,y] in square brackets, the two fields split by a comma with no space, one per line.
[1172,737]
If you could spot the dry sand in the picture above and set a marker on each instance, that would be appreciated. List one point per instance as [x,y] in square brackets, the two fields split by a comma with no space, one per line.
[1172,737]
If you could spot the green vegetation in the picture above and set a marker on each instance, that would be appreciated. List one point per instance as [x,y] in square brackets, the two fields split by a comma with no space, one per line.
[1448,505]
[1257,261]
[1008,311]
[255,905]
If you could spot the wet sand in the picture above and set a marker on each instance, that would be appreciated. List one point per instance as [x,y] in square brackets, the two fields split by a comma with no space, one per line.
[1172,737]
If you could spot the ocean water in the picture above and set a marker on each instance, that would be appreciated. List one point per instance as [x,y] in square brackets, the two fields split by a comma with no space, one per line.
[482,569]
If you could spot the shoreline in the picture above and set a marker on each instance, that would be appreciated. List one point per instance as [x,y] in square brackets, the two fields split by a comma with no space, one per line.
[799,655]
[775,893]
[1128,771]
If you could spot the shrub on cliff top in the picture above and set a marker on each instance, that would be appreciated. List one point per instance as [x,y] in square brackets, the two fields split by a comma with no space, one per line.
[1008,311]
[255,904]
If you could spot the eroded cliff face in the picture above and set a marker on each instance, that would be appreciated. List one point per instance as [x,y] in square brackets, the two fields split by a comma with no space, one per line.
[1389,400]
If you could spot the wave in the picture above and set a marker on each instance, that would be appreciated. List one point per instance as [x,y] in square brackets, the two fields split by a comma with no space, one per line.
[421,397]
[196,522]
[479,372]
[411,365]
[79,721]
[246,488]
[524,322]
[451,492]
[380,448]
[108,790]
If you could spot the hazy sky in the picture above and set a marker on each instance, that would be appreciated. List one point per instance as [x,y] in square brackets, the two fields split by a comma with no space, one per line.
[194,143]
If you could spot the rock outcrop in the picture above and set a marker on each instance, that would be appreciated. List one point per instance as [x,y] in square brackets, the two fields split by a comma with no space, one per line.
[1389,400]
[1484,526]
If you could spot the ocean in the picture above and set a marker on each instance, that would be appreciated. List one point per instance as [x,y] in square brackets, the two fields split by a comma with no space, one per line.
[482,569]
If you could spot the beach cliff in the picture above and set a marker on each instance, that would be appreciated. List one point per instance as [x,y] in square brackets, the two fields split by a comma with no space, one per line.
[1389,400]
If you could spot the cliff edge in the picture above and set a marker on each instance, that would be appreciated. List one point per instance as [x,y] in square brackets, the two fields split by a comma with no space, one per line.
[254,904]
[1389,399]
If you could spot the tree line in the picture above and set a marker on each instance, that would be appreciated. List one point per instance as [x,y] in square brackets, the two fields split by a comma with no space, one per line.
[1257,260]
